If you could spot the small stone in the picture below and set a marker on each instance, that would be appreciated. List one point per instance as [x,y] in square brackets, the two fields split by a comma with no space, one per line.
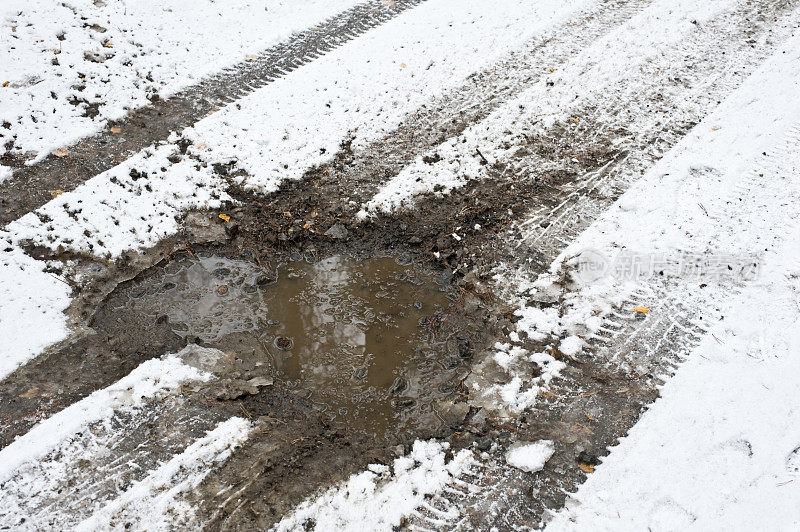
[259,382]
[337,232]
[221,272]
[403,402]
[588,458]
[398,386]
[266,279]
[94,57]
[452,413]
[284,343]
[222,290]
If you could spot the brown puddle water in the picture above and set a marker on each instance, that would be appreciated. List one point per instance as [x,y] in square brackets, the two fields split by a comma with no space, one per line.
[355,337]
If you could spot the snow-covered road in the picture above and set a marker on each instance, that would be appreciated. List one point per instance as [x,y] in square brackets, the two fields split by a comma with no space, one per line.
[622,178]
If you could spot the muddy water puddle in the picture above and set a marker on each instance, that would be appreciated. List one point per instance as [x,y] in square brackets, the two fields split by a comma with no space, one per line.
[360,339]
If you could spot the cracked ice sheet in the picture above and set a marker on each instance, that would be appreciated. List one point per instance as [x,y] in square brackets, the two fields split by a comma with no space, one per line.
[367,86]
[155,46]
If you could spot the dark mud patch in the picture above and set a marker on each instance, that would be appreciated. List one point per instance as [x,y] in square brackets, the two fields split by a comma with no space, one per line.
[367,342]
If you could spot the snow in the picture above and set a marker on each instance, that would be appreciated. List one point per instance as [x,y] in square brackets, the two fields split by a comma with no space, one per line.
[609,64]
[571,345]
[113,212]
[151,379]
[153,503]
[120,53]
[521,389]
[32,305]
[530,456]
[718,449]
[378,498]
[365,88]
[121,210]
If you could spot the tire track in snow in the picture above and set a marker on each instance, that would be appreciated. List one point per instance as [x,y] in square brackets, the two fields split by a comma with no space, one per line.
[713,73]
[54,475]
[650,347]
[748,216]
[61,489]
[652,113]
[470,102]
[581,136]
[446,117]
[30,186]
[641,112]
[497,495]
[155,502]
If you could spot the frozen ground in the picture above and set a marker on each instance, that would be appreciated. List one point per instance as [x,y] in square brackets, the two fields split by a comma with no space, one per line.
[612,187]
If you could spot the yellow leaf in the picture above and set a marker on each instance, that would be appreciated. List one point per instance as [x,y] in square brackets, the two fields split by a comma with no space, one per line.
[5,83]
[552,70]
[108,44]
[251,57]
[587,468]
[225,217]
[116,130]
[57,192]
[403,65]
[576,119]
[643,310]
[61,152]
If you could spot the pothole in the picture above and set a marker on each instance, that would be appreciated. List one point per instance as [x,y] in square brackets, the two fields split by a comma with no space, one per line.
[373,344]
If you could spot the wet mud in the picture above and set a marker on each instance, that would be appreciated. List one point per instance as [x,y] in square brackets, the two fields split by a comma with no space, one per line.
[328,351]
[356,338]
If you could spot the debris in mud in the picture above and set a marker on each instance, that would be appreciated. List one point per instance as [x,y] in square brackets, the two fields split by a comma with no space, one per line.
[283,343]
[235,388]
[337,232]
